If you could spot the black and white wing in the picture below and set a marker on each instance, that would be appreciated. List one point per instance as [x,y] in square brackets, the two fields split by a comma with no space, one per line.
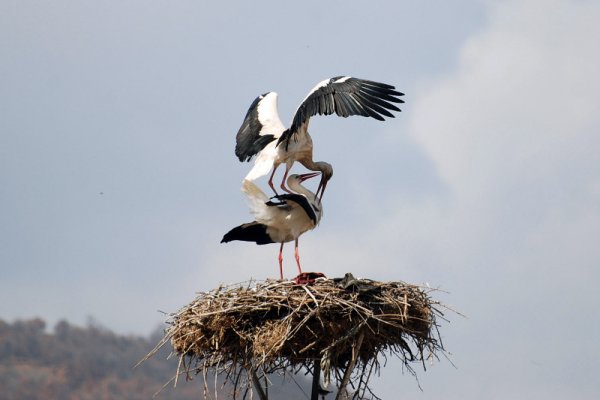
[260,127]
[298,199]
[346,96]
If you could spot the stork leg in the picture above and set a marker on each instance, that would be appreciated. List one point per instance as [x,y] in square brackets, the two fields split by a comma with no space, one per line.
[287,170]
[297,255]
[281,261]
[271,179]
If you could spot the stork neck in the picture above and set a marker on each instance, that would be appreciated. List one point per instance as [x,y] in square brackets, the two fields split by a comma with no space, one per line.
[298,188]
[312,165]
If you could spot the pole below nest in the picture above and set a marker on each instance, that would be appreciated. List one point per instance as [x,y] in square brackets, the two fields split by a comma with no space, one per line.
[314,395]
[258,386]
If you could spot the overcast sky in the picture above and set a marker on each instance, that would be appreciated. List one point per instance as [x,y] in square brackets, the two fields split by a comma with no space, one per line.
[118,176]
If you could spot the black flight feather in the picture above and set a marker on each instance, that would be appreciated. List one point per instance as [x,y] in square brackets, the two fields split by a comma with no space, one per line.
[248,140]
[353,96]
[250,232]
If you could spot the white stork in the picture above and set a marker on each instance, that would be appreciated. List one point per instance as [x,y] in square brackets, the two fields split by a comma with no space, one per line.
[279,221]
[262,133]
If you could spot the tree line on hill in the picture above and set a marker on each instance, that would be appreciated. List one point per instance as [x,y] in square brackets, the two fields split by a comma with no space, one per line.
[84,363]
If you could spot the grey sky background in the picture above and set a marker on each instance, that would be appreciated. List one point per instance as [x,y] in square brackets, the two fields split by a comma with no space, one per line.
[118,178]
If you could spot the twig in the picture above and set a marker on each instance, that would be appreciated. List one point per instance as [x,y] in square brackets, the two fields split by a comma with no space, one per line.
[351,364]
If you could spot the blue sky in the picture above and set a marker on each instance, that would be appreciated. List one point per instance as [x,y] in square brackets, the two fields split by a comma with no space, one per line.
[118,177]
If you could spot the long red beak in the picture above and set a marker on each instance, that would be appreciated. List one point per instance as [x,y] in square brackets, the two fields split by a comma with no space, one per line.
[321,189]
[304,177]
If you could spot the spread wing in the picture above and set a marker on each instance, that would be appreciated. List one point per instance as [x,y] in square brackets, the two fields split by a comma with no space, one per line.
[345,96]
[256,199]
[260,204]
[260,127]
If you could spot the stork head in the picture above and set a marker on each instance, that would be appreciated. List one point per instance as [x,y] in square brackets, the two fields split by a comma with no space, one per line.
[300,178]
[294,183]
[326,169]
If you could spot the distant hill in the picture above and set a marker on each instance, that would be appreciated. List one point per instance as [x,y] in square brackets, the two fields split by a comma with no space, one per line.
[93,363]
[83,363]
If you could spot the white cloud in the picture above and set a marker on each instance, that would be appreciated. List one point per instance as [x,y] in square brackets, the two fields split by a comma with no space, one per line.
[525,97]
[513,133]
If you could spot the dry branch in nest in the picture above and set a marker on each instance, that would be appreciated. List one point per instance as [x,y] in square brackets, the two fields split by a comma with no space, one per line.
[340,327]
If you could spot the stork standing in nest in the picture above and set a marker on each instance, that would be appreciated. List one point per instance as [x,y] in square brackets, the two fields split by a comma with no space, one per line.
[263,135]
[280,219]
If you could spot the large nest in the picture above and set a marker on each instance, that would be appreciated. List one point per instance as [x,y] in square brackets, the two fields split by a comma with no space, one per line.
[336,326]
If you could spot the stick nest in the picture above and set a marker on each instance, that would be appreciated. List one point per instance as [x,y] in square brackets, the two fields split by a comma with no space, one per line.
[280,326]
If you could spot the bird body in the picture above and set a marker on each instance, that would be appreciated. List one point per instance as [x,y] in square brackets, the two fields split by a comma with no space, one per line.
[279,221]
[286,218]
[263,135]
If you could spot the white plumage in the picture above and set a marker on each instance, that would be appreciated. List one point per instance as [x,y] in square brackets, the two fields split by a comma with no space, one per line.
[280,220]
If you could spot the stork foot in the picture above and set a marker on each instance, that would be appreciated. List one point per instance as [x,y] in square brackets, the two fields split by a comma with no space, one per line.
[308,278]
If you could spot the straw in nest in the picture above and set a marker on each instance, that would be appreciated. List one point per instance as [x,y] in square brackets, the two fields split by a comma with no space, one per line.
[340,327]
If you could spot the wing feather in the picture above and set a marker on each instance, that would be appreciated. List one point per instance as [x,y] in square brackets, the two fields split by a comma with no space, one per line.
[257,200]
[300,201]
[345,96]
[260,127]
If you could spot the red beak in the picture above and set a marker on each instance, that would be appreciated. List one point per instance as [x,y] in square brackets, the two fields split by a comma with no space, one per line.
[321,188]
[304,177]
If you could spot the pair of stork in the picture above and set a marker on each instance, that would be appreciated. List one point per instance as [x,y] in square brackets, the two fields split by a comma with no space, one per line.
[284,217]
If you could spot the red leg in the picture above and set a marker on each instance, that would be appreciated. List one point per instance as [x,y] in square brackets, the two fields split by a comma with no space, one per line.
[287,170]
[271,179]
[297,256]
[281,261]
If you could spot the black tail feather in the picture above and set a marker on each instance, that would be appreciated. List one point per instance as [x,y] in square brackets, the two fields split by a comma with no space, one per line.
[250,232]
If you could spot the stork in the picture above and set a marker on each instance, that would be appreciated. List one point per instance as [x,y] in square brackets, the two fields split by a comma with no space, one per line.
[263,135]
[279,221]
